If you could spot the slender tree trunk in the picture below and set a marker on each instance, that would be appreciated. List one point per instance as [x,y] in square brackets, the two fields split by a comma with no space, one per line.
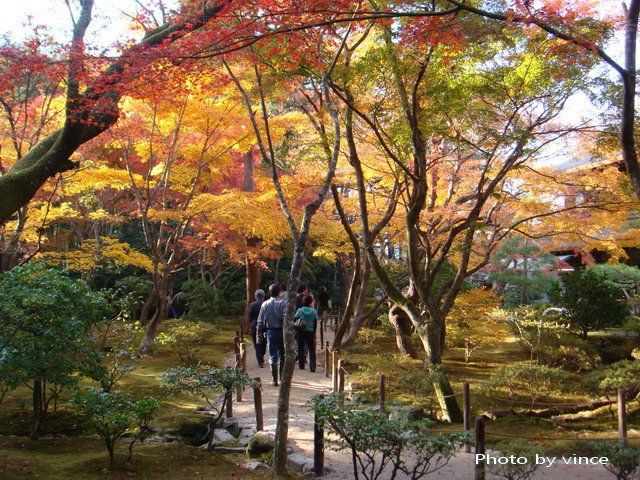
[162,304]
[282,424]
[345,318]
[38,408]
[360,314]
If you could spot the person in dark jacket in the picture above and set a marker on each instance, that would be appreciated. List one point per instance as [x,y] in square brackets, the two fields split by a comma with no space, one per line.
[307,335]
[270,320]
[259,342]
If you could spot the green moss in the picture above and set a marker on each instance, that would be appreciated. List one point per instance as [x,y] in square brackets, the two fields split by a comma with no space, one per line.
[61,459]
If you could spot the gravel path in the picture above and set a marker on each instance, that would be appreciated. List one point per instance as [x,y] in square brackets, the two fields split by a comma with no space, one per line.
[338,464]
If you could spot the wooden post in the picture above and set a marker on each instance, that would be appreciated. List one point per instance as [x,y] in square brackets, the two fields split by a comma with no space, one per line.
[327,360]
[340,376]
[480,448]
[257,403]
[383,393]
[236,342]
[243,356]
[622,417]
[466,401]
[318,446]
[229,407]
[321,335]
[334,370]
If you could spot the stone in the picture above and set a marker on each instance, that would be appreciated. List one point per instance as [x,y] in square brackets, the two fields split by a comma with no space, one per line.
[247,432]
[244,441]
[254,465]
[260,443]
[156,439]
[231,425]
[299,463]
[222,435]
[407,413]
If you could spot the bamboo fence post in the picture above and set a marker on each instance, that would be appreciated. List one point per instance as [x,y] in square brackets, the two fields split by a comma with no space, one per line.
[340,376]
[327,360]
[383,393]
[622,417]
[466,400]
[480,449]
[257,403]
[334,369]
[318,446]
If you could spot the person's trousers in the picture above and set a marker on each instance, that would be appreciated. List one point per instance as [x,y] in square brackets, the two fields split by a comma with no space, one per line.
[260,347]
[307,339]
[276,345]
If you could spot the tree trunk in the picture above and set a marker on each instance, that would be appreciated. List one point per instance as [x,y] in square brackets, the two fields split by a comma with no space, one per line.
[430,337]
[282,414]
[345,318]
[404,330]
[360,314]
[159,293]
[38,407]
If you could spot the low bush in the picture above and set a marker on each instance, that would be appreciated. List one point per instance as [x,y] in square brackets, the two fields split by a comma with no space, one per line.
[187,338]
[381,447]
[512,470]
[111,414]
[608,379]
[533,381]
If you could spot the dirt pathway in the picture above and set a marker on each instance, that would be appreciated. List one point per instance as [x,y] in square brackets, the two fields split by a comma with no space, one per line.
[338,464]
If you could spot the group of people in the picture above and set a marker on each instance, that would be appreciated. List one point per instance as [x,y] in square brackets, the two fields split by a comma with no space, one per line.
[267,320]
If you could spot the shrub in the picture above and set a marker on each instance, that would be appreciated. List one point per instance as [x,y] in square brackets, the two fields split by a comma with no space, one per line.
[534,381]
[568,352]
[534,327]
[187,338]
[111,414]
[592,302]
[515,471]
[624,462]
[608,379]
[203,300]
[45,333]
[378,444]
[206,381]
[130,293]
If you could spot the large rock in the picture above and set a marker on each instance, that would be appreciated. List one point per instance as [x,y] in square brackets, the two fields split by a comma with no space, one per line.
[221,435]
[297,462]
[247,432]
[231,425]
[194,429]
[260,443]
[407,413]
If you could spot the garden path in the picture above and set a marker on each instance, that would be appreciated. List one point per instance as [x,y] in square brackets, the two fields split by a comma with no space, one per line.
[338,464]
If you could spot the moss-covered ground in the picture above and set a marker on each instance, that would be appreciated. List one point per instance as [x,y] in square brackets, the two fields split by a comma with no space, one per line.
[69,449]
[377,353]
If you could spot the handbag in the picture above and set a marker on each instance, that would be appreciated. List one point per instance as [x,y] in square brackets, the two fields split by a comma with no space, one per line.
[299,324]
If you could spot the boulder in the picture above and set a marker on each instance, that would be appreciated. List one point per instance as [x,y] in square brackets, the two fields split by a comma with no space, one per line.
[247,432]
[260,443]
[408,413]
[297,462]
[221,435]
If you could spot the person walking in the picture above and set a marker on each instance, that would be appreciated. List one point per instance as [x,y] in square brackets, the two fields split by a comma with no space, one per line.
[259,342]
[270,320]
[307,333]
